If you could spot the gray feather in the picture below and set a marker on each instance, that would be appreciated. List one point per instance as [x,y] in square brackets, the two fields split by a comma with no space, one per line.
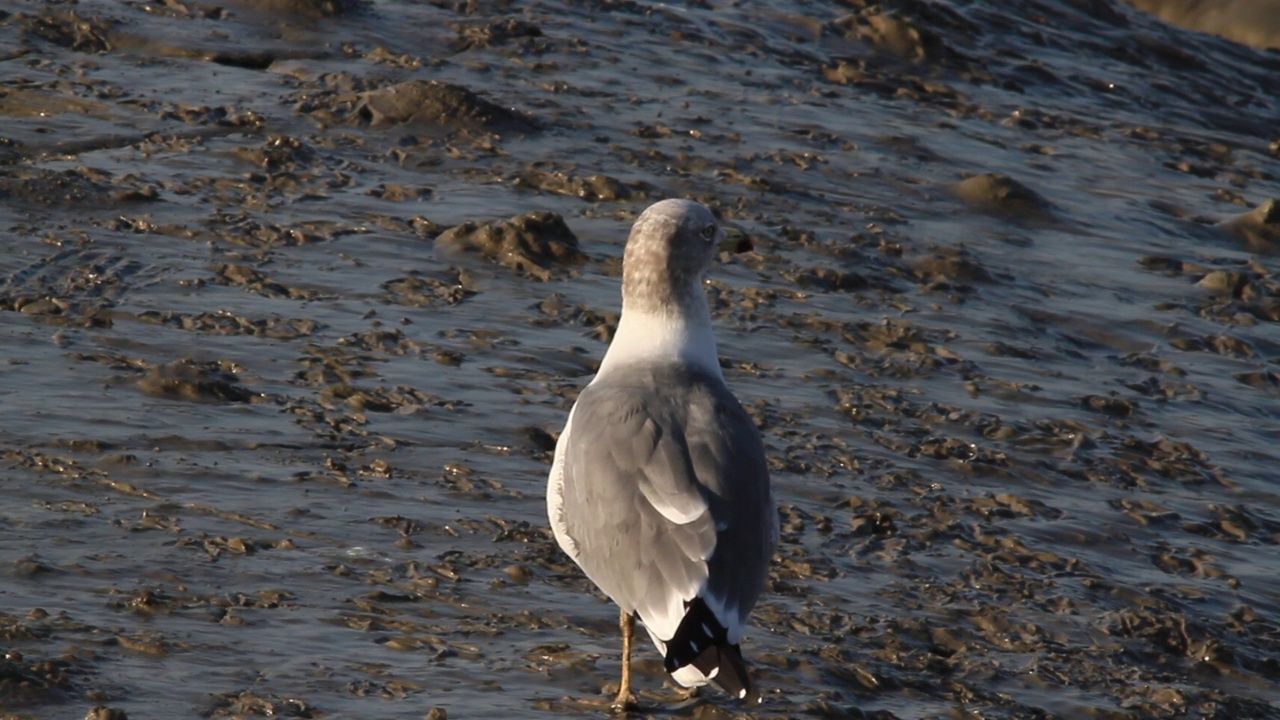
[652,444]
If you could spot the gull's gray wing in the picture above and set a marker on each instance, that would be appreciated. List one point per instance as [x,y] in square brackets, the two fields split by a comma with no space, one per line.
[666,496]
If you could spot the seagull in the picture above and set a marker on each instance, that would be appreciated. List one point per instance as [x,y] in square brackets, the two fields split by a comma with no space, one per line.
[659,489]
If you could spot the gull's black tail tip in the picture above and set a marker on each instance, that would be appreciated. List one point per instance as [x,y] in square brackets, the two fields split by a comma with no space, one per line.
[701,641]
[724,666]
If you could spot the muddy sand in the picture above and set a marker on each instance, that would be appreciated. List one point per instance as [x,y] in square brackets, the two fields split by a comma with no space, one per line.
[294,295]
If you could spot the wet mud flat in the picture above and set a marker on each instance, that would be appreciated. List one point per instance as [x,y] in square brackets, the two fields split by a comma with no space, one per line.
[294,296]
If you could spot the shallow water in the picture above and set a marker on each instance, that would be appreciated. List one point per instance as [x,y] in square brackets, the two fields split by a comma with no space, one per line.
[268,448]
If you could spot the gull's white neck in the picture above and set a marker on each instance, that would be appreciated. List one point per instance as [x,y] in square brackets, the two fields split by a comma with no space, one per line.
[655,337]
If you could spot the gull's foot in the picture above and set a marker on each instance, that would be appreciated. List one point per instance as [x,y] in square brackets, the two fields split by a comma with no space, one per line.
[625,702]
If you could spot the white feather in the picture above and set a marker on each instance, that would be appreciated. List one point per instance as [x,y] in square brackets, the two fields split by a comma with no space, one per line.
[649,338]
[555,493]
[690,676]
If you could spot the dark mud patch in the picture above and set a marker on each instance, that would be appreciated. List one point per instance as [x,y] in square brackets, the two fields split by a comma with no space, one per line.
[197,382]
[445,287]
[28,682]
[228,323]
[256,281]
[1260,227]
[519,35]
[538,245]
[79,187]
[1251,23]
[68,29]
[593,188]
[1001,193]
[434,103]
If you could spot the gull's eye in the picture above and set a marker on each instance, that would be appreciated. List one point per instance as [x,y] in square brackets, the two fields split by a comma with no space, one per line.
[709,232]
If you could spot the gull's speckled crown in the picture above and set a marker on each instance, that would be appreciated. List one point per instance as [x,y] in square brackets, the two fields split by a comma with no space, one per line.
[669,252]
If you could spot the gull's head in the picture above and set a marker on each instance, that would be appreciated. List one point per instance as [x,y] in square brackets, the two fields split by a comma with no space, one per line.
[668,254]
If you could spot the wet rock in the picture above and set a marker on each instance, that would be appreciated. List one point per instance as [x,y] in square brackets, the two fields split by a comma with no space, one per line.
[102,712]
[403,525]
[258,282]
[897,34]
[400,193]
[1220,344]
[246,230]
[1173,266]
[1003,349]
[874,523]
[518,573]
[328,365]
[951,448]
[444,287]
[538,439]
[393,690]
[1239,293]
[1162,389]
[20,102]
[390,342]
[32,566]
[440,104]
[42,306]
[279,152]
[501,32]
[1113,406]
[217,546]
[1259,227]
[423,227]
[203,115]
[382,400]
[81,186]
[251,704]
[1259,379]
[32,680]
[70,30]
[190,381]
[593,188]
[1244,21]
[538,244]
[953,266]
[1001,192]
[555,310]
[228,323]
[1224,281]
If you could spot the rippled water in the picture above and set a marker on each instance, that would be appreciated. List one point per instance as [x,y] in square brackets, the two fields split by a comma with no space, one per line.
[269,449]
